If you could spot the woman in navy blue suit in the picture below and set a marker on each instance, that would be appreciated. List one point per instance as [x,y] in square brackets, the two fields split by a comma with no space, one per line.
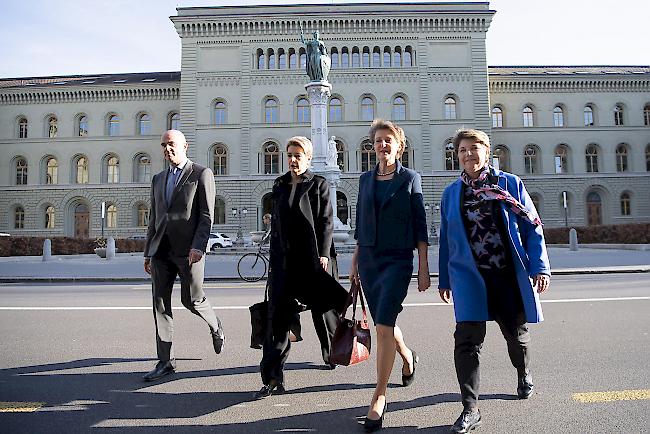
[493,260]
[390,224]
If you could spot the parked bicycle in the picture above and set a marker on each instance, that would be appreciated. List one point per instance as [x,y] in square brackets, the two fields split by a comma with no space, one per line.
[252,266]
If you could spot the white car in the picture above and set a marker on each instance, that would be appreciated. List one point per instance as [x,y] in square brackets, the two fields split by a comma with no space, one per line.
[218,240]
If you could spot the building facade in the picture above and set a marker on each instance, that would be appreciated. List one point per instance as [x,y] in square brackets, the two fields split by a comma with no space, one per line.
[67,144]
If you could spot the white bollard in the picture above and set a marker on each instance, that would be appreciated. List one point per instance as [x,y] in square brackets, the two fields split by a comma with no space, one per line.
[573,240]
[110,248]
[47,250]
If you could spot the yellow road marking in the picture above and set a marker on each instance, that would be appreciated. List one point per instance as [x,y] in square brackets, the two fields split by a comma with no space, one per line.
[20,407]
[620,395]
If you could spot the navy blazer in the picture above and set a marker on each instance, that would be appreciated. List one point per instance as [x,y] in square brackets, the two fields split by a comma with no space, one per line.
[402,218]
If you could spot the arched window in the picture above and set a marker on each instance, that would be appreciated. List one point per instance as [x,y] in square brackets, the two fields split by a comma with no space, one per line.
[367,109]
[621,158]
[219,211]
[531,159]
[174,121]
[451,158]
[111,216]
[502,157]
[220,160]
[49,217]
[22,128]
[408,57]
[271,55]
[303,58]
[647,158]
[142,165]
[368,156]
[406,156]
[341,156]
[261,61]
[497,117]
[618,115]
[144,124]
[356,61]
[82,125]
[52,126]
[112,169]
[558,116]
[588,116]
[80,167]
[113,127]
[345,58]
[397,57]
[376,57]
[594,209]
[270,110]
[342,211]
[561,159]
[282,59]
[335,110]
[302,110]
[646,115]
[450,108]
[271,158]
[386,58]
[527,114]
[51,171]
[334,56]
[399,108]
[143,215]
[591,155]
[293,59]
[21,171]
[626,204]
[19,217]
[365,57]
[220,112]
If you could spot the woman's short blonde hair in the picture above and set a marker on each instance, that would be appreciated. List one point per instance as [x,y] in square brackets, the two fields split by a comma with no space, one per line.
[304,143]
[396,131]
[477,136]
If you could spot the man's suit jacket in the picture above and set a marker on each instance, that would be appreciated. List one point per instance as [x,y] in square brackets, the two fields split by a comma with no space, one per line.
[187,218]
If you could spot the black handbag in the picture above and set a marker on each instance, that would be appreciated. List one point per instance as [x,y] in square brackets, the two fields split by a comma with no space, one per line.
[259,321]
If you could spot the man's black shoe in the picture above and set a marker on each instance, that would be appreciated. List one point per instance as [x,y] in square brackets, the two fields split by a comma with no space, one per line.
[161,369]
[270,389]
[467,421]
[218,339]
[525,386]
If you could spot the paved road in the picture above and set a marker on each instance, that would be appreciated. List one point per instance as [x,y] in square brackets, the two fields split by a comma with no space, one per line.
[80,351]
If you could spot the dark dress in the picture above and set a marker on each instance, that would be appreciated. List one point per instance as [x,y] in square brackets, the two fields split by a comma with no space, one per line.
[393,220]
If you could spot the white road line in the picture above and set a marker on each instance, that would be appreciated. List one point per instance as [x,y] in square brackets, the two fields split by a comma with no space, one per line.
[54,308]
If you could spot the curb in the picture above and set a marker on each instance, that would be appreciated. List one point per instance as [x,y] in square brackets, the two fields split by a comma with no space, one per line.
[559,272]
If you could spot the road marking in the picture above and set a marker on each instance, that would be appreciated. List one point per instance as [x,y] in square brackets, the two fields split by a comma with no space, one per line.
[20,407]
[620,395]
[64,308]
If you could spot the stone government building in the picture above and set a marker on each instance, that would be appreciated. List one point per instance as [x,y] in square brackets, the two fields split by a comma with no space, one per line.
[69,143]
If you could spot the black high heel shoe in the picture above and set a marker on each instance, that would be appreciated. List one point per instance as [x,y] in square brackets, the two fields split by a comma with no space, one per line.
[372,425]
[407,380]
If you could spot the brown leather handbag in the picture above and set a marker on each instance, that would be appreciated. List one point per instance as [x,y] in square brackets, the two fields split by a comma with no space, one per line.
[351,340]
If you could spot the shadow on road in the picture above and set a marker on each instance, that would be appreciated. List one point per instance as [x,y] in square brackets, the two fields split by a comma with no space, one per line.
[79,401]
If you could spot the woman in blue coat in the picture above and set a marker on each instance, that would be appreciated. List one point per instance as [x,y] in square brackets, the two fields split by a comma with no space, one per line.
[493,261]
[390,224]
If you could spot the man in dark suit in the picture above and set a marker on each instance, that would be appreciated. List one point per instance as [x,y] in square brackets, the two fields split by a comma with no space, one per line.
[182,207]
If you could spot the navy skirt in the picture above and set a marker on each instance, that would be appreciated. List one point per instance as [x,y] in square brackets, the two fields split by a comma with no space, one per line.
[385,277]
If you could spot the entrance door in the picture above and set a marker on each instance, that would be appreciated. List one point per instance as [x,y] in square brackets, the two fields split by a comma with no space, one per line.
[594,209]
[81,221]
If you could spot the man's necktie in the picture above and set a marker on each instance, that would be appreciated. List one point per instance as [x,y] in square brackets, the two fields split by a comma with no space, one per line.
[171,183]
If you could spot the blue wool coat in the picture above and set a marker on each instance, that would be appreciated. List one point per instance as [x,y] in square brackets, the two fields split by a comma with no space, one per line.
[458,270]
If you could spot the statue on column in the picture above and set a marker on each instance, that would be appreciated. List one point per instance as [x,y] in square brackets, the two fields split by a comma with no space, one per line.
[332,153]
[318,61]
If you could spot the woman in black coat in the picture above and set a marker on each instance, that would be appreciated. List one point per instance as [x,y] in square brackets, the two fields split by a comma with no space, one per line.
[301,241]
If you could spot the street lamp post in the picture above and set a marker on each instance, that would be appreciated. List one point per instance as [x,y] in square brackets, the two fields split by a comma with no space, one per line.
[103,217]
[241,213]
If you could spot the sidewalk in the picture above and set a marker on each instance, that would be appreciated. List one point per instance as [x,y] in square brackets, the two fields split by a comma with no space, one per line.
[128,266]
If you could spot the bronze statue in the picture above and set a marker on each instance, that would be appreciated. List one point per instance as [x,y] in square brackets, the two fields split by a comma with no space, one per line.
[318,61]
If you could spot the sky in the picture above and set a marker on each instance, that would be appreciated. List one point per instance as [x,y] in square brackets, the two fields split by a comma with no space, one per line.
[67,37]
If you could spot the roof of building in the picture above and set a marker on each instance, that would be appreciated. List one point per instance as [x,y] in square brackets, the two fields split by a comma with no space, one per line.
[95,79]
[551,70]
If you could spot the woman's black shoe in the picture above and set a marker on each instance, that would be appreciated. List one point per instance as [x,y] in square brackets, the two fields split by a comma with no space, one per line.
[407,380]
[270,389]
[372,425]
